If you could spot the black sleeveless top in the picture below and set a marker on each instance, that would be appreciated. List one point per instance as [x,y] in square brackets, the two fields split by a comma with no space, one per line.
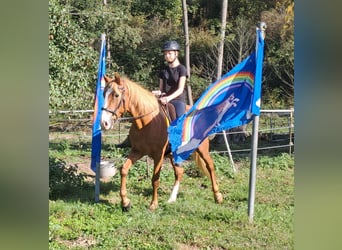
[170,78]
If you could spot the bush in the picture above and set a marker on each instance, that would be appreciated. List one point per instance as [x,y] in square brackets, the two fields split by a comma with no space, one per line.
[63,180]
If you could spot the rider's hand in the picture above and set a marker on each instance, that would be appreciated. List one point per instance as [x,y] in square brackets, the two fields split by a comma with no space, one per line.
[156,92]
[163,100]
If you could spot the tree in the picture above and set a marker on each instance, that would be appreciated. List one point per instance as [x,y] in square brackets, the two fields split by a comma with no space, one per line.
[222,37]
[187,49]
[72,61]
[240,41]
[136,29]
[280,55]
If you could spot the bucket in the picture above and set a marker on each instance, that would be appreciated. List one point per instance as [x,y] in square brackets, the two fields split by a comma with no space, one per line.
[107,169]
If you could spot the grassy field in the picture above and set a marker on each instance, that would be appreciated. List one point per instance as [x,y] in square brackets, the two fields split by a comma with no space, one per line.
[193,222]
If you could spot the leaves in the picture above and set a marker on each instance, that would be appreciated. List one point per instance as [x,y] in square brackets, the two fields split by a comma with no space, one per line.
[136,29]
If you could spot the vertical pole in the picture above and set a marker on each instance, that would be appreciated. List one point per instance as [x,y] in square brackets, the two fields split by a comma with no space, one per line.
[97,172]
[229,152]
[120,133]
[252,175]
[108,52]
[97,183]
[223,34]
[290,131]
[219,67]
[98,164]
[187,50]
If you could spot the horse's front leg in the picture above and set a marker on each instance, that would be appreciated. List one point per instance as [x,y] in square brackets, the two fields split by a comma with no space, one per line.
[178,171]
[131,159]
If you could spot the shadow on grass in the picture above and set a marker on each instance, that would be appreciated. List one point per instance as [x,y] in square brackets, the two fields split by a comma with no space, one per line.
[64,145]
[273,145]
[65,183]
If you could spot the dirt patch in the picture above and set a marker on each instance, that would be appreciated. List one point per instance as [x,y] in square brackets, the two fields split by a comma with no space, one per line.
[80,242]
[84,168]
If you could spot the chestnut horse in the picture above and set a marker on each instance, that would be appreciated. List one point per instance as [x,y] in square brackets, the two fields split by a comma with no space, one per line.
[148,136]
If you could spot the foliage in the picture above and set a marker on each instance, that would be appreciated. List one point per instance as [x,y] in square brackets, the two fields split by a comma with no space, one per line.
[273,100]
[203,54]
[240,42]
[72,62]
[164,10]
[136,30]
[279,59]
[251,9]
[198,86]
[282,161]
[63,179]
[194,219]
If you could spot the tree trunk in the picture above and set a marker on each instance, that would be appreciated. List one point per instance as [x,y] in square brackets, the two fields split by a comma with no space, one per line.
[223,35]
[187,49]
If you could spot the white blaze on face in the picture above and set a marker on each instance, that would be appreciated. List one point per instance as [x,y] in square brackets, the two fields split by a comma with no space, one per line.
[106,117]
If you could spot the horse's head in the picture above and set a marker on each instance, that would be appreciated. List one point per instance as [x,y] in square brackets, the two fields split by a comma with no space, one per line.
[114,101]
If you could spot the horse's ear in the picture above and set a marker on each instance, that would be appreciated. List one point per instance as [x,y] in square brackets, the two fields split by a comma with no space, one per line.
[106,78]
[117,78]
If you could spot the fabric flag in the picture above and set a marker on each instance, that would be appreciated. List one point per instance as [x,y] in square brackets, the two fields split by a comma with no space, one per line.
[96,131]
[229,102]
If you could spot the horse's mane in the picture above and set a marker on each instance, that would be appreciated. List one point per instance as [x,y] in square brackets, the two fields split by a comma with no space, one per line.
[141,98]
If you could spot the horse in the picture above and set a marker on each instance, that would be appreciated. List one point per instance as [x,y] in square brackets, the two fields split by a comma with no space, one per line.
[148,136]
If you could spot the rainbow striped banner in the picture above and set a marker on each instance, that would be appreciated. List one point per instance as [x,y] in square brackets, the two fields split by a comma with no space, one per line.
[229,102]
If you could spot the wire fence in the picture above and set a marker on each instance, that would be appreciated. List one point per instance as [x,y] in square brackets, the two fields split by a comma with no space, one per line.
[276,131]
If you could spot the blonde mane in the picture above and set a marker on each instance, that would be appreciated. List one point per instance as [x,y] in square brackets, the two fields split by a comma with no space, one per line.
[142,99]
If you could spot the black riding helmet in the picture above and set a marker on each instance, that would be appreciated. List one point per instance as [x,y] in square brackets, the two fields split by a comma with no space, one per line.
[171,45]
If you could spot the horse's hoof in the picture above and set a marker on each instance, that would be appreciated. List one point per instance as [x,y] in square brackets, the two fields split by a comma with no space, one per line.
[171,200]
[153,207]
[126,208]
[218,198]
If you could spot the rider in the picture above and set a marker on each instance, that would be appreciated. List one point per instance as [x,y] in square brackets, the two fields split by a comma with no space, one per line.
[172,78]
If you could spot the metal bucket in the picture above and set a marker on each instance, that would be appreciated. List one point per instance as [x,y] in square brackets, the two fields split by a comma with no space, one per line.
[107,169]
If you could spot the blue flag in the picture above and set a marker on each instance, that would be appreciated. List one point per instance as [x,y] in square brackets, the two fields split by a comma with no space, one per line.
[96,131]
[229,102]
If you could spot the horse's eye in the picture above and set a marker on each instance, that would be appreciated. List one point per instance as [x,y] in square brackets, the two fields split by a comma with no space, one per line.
[116,95]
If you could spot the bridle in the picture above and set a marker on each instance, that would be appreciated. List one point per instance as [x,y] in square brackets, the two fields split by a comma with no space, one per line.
[122,102]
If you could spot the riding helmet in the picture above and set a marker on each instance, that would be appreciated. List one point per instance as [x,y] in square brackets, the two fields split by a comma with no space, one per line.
[171,45]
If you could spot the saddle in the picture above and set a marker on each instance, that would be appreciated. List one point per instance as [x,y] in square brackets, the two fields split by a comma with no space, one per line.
[170,115]
[169,111]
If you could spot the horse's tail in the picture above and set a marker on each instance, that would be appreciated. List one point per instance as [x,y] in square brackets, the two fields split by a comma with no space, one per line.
[200,164]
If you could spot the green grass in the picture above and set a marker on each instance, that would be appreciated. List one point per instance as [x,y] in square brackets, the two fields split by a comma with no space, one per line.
[195,221]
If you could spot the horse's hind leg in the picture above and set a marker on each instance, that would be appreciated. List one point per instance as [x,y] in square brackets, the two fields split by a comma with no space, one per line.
[203,151]
[178,171]
[131,159]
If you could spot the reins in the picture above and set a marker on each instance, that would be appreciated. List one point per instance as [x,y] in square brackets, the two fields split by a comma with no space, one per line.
[122,101]
[134,117]
[166,112]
